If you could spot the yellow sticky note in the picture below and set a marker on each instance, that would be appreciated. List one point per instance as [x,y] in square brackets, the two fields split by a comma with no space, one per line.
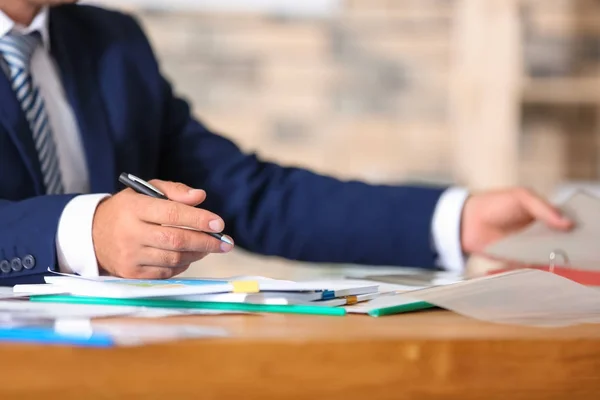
[245,287]
[351,300]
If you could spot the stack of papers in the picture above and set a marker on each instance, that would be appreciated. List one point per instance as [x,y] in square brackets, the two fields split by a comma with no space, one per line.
[523,296]
[249,294]
[119,288]
[72,324]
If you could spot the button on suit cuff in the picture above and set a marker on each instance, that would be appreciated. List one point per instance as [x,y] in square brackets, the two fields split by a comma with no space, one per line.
[446,228]
[74,244]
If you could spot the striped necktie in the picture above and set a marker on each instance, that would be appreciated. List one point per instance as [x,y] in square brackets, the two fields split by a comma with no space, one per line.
[17,51]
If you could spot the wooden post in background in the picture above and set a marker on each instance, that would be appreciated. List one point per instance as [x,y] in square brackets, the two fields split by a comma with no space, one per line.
[486,93]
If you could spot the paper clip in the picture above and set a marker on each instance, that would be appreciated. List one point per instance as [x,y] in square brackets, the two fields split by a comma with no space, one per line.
[553,256]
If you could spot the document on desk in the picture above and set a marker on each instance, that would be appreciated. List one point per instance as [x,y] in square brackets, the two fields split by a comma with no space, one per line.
[137,288]
[89,333]
[75,324]
[7,292]
[11,310]
[521,297]
[232,294]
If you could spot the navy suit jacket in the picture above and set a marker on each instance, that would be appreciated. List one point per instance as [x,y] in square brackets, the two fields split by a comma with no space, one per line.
[130,121]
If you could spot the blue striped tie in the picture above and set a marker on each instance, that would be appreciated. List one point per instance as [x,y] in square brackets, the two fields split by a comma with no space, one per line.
[17,51]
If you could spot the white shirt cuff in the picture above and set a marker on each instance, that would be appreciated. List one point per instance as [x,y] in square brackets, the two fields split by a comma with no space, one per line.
[446,227]
[74,244]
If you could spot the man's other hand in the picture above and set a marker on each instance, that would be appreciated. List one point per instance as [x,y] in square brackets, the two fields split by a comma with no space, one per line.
[137,236]
[490,216]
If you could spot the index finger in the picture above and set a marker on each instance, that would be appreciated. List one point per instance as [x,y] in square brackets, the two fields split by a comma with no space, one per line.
[543,211]
[165,212]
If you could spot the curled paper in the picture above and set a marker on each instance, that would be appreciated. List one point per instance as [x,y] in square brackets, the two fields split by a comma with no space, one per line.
[522,297]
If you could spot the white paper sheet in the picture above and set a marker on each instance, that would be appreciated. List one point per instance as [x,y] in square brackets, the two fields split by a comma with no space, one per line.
[28,309]
[19,313]
[7,293]
[127,288]
[135,334]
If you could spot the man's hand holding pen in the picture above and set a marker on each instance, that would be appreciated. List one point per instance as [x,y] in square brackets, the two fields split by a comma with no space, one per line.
[137,236]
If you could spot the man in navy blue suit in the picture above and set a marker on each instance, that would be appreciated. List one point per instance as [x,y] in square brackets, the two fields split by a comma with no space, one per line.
[82,99]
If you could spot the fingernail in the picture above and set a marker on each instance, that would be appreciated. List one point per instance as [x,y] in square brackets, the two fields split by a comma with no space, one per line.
[225,247]
[564,217]
[216,225]
[193,192]
[568,221]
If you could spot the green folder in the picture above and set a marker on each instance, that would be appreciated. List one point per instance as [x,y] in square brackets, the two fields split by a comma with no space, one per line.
[404,308]
[163,303]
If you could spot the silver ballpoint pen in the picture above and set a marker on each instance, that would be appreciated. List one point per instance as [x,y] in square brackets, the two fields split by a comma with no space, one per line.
[143,187]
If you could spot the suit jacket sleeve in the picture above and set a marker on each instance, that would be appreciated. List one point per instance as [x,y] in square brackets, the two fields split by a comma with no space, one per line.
[27,237]
[295,213]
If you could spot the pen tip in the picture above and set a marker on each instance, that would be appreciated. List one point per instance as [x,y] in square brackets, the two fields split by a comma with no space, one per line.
[227,240]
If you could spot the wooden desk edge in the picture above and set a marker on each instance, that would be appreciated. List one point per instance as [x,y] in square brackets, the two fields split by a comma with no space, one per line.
[374,364]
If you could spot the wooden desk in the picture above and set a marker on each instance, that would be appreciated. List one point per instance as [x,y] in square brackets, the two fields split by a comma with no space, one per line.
[424,355]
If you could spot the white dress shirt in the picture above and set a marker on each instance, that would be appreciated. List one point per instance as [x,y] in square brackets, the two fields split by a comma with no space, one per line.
[74,243]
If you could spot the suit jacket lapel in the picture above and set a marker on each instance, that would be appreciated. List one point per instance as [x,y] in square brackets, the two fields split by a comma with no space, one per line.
[79,78]
[15,123]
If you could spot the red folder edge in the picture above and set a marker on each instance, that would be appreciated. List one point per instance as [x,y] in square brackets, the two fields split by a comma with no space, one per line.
[584,277]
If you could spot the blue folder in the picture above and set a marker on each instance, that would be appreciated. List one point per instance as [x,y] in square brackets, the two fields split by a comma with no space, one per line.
[48,336]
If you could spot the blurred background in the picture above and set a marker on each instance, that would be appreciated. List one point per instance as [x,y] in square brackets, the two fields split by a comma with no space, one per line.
[476,93]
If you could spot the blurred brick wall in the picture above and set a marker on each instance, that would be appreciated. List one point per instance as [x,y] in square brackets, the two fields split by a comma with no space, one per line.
[560,140]
[360,94]
[363,93]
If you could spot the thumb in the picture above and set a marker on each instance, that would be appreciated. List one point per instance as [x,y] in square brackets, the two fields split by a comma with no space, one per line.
[180,192]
